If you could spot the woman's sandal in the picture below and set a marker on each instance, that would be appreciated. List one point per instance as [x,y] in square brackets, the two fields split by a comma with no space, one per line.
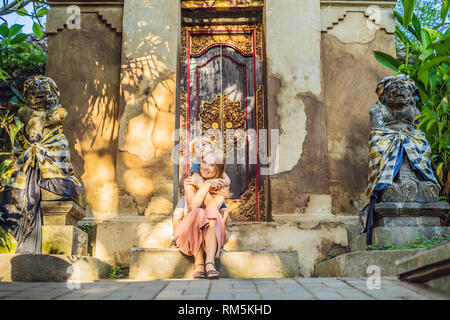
[199,274]
[212,274]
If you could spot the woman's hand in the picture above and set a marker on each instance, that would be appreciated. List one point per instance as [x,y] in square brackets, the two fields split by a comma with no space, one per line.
[195,181]
[217,183]
[214,187]
[189,181]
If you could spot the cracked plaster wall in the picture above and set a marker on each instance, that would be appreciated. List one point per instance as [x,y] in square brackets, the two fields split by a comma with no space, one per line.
[350,76]
[295,103]
[147,114]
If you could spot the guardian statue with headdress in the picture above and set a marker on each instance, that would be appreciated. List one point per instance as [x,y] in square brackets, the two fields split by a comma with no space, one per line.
[43,161]
[400,155]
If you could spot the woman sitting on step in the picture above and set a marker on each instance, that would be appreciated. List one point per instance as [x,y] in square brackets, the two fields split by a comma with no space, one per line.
[202,229]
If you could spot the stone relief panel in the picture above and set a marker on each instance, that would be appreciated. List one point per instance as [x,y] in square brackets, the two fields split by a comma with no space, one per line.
[375,17]
[59,17]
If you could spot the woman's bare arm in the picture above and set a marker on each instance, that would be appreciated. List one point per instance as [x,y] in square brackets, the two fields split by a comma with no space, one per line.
[195,198]
[214,199]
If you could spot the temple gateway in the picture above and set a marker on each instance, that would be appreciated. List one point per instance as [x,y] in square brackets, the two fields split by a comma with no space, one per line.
[134,72]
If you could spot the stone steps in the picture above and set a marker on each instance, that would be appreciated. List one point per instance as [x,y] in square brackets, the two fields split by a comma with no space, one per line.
[312,237]
[51,268]
[355,264]
[429,267]
[150,264]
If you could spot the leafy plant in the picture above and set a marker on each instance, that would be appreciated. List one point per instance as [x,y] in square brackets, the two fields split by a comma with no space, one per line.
[86,227]
[419,242]
[35,9]
[117,273]
[331,255]
[12,126]
[16,55]
[372,246]
[427,63]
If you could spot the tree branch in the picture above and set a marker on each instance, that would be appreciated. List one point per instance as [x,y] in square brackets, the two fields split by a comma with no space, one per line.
[13,6]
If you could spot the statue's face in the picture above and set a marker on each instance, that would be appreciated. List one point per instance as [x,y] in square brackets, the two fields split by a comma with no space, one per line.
[40,93]
[397,95]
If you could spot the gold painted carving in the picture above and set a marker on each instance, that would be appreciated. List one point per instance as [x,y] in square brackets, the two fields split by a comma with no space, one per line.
[262,204]
[183,54]
[201,42]
[245,208]
[183,112]
[233,118]
[222,4]
[213,34]
[233,115]
[259,42]
[260,106]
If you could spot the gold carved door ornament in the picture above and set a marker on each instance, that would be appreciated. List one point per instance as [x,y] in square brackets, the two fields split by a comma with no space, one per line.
[221,115]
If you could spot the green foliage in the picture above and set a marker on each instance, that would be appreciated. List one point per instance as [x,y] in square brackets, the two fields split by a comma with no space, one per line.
[372,246]
[16,55]
[331,255]
[427,63]
[117,273]
[431,14]
[419,242]
[12,125]
[408,12]
[86,227]
[35,9]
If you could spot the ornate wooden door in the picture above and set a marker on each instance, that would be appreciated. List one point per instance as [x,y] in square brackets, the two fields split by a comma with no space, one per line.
[222,86]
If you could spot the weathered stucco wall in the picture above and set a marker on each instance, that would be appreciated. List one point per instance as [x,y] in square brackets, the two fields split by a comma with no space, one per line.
[295,104]
[147,113]
[350,76]
[85,63]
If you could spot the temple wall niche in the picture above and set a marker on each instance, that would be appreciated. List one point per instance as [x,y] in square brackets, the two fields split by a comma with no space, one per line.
[350,76]
[85,63]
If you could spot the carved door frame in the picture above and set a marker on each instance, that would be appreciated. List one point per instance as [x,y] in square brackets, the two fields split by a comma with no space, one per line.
[247,39]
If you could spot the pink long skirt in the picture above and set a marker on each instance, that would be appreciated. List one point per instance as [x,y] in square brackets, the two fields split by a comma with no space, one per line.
[190,233]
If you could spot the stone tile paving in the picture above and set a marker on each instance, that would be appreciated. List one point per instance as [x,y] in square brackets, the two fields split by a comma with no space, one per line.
[223,289]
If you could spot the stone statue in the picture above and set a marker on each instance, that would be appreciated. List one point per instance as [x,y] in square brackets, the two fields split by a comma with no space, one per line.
[399,163]
[396,110]
[43,161]
[42,110]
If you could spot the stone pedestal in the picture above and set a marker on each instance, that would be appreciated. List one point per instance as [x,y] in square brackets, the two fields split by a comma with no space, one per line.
[64,240]
[400,223]
[61,213]
[60,234]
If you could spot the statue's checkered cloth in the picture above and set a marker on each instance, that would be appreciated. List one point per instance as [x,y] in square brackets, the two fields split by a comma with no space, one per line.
[385,145]
[51,154]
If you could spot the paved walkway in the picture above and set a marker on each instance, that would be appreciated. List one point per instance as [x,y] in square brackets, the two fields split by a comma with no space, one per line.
[223,289]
